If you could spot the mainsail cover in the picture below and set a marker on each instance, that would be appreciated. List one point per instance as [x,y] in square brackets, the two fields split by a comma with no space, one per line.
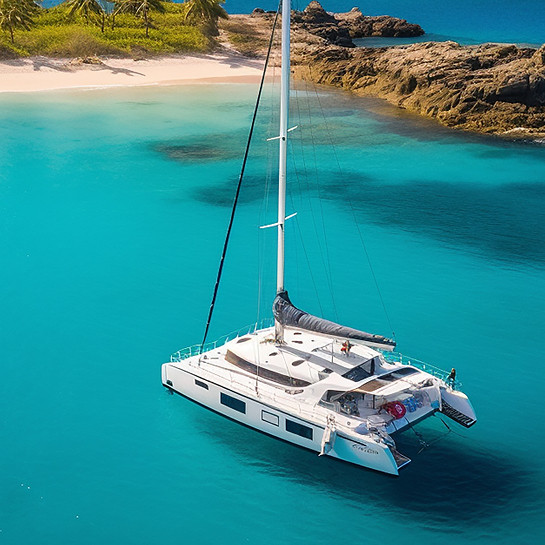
[290,316]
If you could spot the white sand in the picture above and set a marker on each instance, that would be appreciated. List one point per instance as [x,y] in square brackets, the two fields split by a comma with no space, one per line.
[44,74]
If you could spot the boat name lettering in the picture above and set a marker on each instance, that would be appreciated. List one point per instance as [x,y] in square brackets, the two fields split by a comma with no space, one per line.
[364,448]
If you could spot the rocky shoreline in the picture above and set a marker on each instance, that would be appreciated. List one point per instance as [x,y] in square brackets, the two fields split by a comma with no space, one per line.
[491,88]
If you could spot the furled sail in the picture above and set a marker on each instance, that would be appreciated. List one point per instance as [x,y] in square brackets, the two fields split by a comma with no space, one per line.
[290,316]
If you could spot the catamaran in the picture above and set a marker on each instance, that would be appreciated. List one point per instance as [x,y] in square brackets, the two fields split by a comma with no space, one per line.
[335,390]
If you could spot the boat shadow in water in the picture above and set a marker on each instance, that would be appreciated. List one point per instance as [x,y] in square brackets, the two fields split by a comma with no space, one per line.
[482,218]
[221,194]
[452,483]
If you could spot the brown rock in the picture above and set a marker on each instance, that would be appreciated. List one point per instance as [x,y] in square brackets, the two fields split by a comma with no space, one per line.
[491,88]
[317,21]
[488,88]
[361,26]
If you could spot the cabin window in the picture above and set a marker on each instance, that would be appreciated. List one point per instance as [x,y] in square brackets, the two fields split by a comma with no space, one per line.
[400,373]
[233,403]
[332,395]
[365,370]
[201,384]
[270,418]
[299,429]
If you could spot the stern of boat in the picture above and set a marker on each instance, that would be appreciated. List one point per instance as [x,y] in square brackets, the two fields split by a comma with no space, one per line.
[457,407]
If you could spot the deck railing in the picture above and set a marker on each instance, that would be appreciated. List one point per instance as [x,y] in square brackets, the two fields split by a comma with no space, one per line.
[197,349]
[390,357]
[397,357]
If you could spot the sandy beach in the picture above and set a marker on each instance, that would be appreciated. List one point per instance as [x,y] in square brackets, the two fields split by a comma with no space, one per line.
[45,74]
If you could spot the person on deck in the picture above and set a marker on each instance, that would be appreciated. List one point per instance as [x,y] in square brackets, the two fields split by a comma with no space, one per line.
[345,348]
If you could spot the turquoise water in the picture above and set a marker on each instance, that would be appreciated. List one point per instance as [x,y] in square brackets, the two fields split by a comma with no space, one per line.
[429,37]
[114,204]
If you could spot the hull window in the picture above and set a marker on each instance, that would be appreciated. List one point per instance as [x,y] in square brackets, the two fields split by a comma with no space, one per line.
[201,384]
[270,418]
[299,429]
[233,403]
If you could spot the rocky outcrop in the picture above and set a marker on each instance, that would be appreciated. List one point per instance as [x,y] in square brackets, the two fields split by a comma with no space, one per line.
[340,28]
[488,88]
[315,20]
[361,26]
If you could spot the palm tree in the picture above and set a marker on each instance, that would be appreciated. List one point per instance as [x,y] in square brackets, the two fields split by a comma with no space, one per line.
[206,11]
[140,8]
[17,14]
[90,9]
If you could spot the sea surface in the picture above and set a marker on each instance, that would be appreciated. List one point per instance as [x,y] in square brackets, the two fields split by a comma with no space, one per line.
[113,208]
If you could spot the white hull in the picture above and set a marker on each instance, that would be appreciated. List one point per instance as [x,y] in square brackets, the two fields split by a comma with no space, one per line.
[272,421]
[344,411]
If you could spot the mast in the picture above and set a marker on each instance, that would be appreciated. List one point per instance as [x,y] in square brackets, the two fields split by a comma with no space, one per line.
[284,115]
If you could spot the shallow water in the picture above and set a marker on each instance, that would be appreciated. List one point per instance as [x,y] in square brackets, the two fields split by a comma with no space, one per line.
[114,204]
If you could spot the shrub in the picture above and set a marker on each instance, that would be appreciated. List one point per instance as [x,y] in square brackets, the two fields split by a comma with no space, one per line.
[56,34]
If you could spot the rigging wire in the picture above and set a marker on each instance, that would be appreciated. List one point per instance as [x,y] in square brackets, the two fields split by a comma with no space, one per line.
[355,217]
[327,259]
[239,185]
[264,209]
[315,286]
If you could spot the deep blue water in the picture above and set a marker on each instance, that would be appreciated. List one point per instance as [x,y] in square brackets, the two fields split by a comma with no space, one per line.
[114,204]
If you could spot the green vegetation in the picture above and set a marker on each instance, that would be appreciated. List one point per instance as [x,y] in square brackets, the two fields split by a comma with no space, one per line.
[16,14]
[139,8]
[84,28]
[206,13]
[249,40]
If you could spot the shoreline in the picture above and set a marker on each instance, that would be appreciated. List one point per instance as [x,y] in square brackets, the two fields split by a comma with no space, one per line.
[37,74]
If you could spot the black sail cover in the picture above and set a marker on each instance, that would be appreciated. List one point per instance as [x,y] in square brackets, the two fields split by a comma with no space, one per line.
[290,316]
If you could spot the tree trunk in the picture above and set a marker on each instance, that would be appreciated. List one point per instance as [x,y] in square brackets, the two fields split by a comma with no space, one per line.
[113,20]
[11,32]
[147,23]
[102,22]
